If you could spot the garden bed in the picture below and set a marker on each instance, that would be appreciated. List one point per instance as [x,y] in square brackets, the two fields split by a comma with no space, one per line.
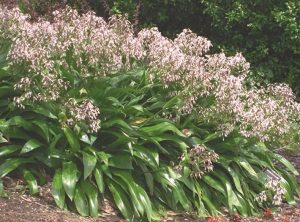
[21,207]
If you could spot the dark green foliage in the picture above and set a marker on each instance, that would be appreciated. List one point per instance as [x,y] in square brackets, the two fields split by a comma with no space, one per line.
[267,32]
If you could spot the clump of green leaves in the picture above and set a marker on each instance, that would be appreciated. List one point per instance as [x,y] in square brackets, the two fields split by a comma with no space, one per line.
[131,157]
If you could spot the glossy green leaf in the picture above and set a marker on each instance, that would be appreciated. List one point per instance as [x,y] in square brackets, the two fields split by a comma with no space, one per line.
[81,202]
[92,195]
[148,176]
[208,202]
[149,156]
[70,176]
[292,181]
[236,178]
[213,183]
[245,164]
[104,157]
[145,201]
[2,191]
[88,139]
[17,133]
[10,165]
[72,139]
[179,194]
[179,141]
[4,71]
[232,199]
[6,150]
[2,139]
[30,145]
[99,179]
[44,112]
[58,192]
[188,181]
[289,196]
[20,122]
[286,163]
[160,128]
[115,122]
[44,129]
[132,187]
[89,163]
[174,101]
[121,199]
[30,180]
[121,161]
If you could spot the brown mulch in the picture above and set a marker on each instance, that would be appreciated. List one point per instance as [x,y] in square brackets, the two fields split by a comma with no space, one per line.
[8,3]
[19,207]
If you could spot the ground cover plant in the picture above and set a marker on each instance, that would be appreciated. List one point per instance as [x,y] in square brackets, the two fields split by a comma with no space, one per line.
[152,122]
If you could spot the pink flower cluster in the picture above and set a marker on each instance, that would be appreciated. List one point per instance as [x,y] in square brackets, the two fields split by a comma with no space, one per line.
[97,48]
[199,160]
[269,112]
[184,67]
[43,50]
[84,112]
[12,21]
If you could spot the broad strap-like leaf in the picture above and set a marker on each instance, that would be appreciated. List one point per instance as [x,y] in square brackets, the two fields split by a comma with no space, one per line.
[99,179]
[58,191]
[160,128]
[88,139]
[6,150]
[148,176]
[44,112]
[10,165]
[30,180]
[19,121]
[148,156]
[236,178]
[247,166]
[72,139]
[115,122]
[89,163]
[139,198]
[286,163]
[214,183]
[81,202]
[121,161]
[174,101]
[30,145]
[92,195]
[232,199]
[44,129]
[70,176]
[121,199]
[289,195]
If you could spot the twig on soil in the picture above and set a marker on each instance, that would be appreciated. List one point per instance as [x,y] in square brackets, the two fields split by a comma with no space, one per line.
[37,203]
